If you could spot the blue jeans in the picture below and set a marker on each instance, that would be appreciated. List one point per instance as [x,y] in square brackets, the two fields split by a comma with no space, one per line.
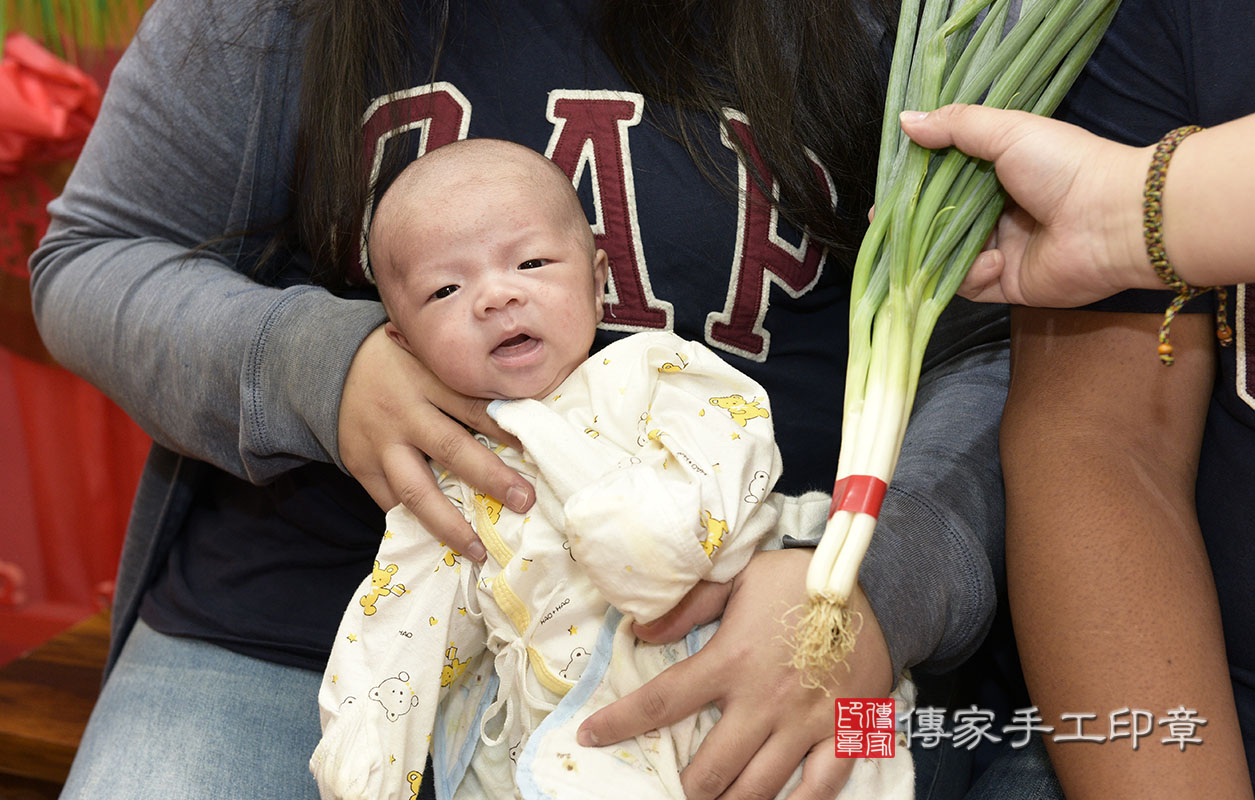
[943,773]
[180,718]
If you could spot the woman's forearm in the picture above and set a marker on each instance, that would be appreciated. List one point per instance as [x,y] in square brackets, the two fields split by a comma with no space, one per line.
[1209,205]
[1110,586]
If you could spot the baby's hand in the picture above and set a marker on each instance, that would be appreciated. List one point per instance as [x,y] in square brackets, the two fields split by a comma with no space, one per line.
[702,604]
[394,414]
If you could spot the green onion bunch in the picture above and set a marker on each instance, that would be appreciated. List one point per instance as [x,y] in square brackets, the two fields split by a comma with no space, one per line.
[934,212]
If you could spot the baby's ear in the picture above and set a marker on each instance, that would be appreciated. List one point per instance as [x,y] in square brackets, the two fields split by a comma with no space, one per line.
[601,273]
[394,333]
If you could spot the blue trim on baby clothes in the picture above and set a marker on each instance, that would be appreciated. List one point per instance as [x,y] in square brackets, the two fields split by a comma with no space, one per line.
[568,706]
[447,780]
[495,406]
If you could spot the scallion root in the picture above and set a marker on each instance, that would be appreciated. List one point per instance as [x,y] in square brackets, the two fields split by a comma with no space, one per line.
[824,636]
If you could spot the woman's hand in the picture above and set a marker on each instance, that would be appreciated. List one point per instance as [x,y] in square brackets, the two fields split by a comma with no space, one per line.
[769,722]
[394,414]
[1072,232]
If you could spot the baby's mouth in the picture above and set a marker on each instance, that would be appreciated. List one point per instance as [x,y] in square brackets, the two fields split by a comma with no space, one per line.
[514,341]
[518,346]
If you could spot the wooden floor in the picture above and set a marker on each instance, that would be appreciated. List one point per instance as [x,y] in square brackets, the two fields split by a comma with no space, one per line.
[46,697]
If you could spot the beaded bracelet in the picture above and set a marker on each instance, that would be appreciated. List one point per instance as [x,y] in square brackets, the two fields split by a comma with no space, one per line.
[1152,231]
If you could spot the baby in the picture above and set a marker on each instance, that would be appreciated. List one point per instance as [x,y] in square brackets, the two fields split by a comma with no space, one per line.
[653,464]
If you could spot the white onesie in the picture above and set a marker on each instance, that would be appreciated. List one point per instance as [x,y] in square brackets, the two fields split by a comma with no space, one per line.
[653,465]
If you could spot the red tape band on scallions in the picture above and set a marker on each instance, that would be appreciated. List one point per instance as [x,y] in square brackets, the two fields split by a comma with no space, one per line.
[859,494]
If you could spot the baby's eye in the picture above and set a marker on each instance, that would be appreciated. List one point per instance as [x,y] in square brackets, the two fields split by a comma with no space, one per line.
[533,263]
[444,291]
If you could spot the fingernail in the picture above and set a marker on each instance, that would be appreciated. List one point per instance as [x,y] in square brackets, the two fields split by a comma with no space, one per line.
[913,116]
[516,499]
[477,552]
[586,739]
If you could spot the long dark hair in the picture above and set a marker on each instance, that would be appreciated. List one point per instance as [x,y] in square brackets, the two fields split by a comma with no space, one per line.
[809,74]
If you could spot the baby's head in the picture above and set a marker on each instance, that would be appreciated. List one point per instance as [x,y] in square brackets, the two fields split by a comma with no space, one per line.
[487,268]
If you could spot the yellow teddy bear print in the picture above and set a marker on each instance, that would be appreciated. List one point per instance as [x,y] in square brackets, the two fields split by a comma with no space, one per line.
[492,505]
[671,367]
[716,529]
[380,578]
[741,410]
[450,557]
[415,780]
[451,671]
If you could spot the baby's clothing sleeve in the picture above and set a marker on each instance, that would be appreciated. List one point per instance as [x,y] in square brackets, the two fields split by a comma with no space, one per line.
[406,639]
[659,456]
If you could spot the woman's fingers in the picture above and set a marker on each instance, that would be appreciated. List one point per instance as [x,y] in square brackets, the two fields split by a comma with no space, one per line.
[677,692]
[982,283]
[409,481]
[823,774]
[394,414]
[979,131]
[455,449]
[737,739]
[472,412]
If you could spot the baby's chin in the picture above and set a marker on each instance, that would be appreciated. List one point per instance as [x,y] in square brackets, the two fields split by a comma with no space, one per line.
[544,392]
[517,390]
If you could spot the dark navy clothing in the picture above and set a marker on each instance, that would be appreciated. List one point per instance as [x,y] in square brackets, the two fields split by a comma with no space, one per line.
[266,570]
[1167,63]
[679,260]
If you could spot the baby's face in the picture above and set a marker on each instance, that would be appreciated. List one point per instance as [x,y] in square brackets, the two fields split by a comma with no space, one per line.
[494,291]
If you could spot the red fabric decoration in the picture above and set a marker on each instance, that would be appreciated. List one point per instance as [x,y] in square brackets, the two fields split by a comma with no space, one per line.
[69,458]
[46,105]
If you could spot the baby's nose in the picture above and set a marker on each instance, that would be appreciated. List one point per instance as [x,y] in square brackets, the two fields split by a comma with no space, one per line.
[500,294]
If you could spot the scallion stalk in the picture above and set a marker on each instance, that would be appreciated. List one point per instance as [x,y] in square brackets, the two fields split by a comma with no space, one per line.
[934,211]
